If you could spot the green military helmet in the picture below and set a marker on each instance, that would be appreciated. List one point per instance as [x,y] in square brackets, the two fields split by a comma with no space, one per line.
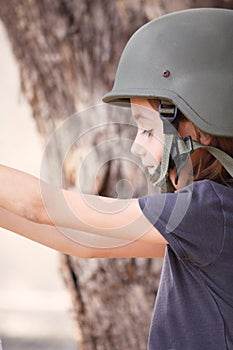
[185,57]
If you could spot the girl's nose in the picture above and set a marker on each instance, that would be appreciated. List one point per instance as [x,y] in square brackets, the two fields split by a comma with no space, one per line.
[137,149]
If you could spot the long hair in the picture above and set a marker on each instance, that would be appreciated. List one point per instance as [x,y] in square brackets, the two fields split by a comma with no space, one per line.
[207,166]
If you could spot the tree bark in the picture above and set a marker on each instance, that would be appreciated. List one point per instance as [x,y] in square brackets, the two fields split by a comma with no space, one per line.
[68,51]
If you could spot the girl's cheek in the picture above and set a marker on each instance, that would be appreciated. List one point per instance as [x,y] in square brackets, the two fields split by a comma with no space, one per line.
[154,152]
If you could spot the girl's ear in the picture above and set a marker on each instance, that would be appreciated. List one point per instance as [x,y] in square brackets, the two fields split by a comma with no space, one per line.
[205,139]
[187,128]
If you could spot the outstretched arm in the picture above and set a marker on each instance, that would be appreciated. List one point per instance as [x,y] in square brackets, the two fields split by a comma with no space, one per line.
[25,196]
[54,238]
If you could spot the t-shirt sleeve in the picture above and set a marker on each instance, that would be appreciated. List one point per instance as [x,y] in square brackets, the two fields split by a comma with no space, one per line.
[191,221]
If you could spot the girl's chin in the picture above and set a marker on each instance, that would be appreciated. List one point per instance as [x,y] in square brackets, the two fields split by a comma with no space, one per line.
[151,170]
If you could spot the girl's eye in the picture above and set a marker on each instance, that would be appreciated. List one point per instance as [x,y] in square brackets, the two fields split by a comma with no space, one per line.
[149,133]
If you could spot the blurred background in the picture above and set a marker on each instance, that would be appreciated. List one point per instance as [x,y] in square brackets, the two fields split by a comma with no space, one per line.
[34,304]
[67,53]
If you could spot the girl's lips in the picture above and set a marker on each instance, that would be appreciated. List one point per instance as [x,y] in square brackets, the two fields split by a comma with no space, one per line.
[150,166]
[151,169]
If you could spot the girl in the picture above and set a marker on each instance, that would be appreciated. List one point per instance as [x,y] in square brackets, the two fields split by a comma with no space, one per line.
[176,72]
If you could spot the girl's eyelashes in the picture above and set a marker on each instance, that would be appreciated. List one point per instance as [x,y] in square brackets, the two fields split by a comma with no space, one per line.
[149,133]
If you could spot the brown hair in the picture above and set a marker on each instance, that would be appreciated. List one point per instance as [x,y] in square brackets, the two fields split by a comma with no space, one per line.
[207,166]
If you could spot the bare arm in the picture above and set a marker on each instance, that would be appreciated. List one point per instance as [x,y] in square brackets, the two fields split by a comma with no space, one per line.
[25,196]
[52,237]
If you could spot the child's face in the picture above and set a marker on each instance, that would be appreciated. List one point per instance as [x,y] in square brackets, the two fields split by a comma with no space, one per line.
[148,144]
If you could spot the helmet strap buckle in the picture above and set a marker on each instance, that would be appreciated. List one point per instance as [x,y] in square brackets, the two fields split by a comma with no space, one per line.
[168,114]
[180,153]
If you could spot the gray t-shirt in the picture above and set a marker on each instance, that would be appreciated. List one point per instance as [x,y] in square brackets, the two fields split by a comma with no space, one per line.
[194,304]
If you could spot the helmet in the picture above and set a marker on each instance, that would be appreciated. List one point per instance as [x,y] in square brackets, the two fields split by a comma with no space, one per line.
[184,59]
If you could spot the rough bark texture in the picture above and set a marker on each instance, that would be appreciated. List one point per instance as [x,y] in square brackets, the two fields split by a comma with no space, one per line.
[68,51]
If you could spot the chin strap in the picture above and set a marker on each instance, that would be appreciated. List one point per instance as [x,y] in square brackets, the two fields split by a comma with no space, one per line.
[161,171]
[176,153]
[177,150]
[221,156]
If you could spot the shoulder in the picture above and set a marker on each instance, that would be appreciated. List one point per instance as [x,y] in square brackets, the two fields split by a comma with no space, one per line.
[194,204]
[201,198]
[208,196]
[191,220]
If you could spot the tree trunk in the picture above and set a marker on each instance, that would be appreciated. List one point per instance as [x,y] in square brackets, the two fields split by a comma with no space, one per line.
[68,52]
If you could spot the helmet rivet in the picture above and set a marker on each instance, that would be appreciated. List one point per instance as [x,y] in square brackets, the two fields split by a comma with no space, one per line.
[166,73]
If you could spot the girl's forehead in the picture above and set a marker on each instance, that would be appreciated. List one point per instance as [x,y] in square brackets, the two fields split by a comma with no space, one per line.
[139,101]
[143,110]
[143,101]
